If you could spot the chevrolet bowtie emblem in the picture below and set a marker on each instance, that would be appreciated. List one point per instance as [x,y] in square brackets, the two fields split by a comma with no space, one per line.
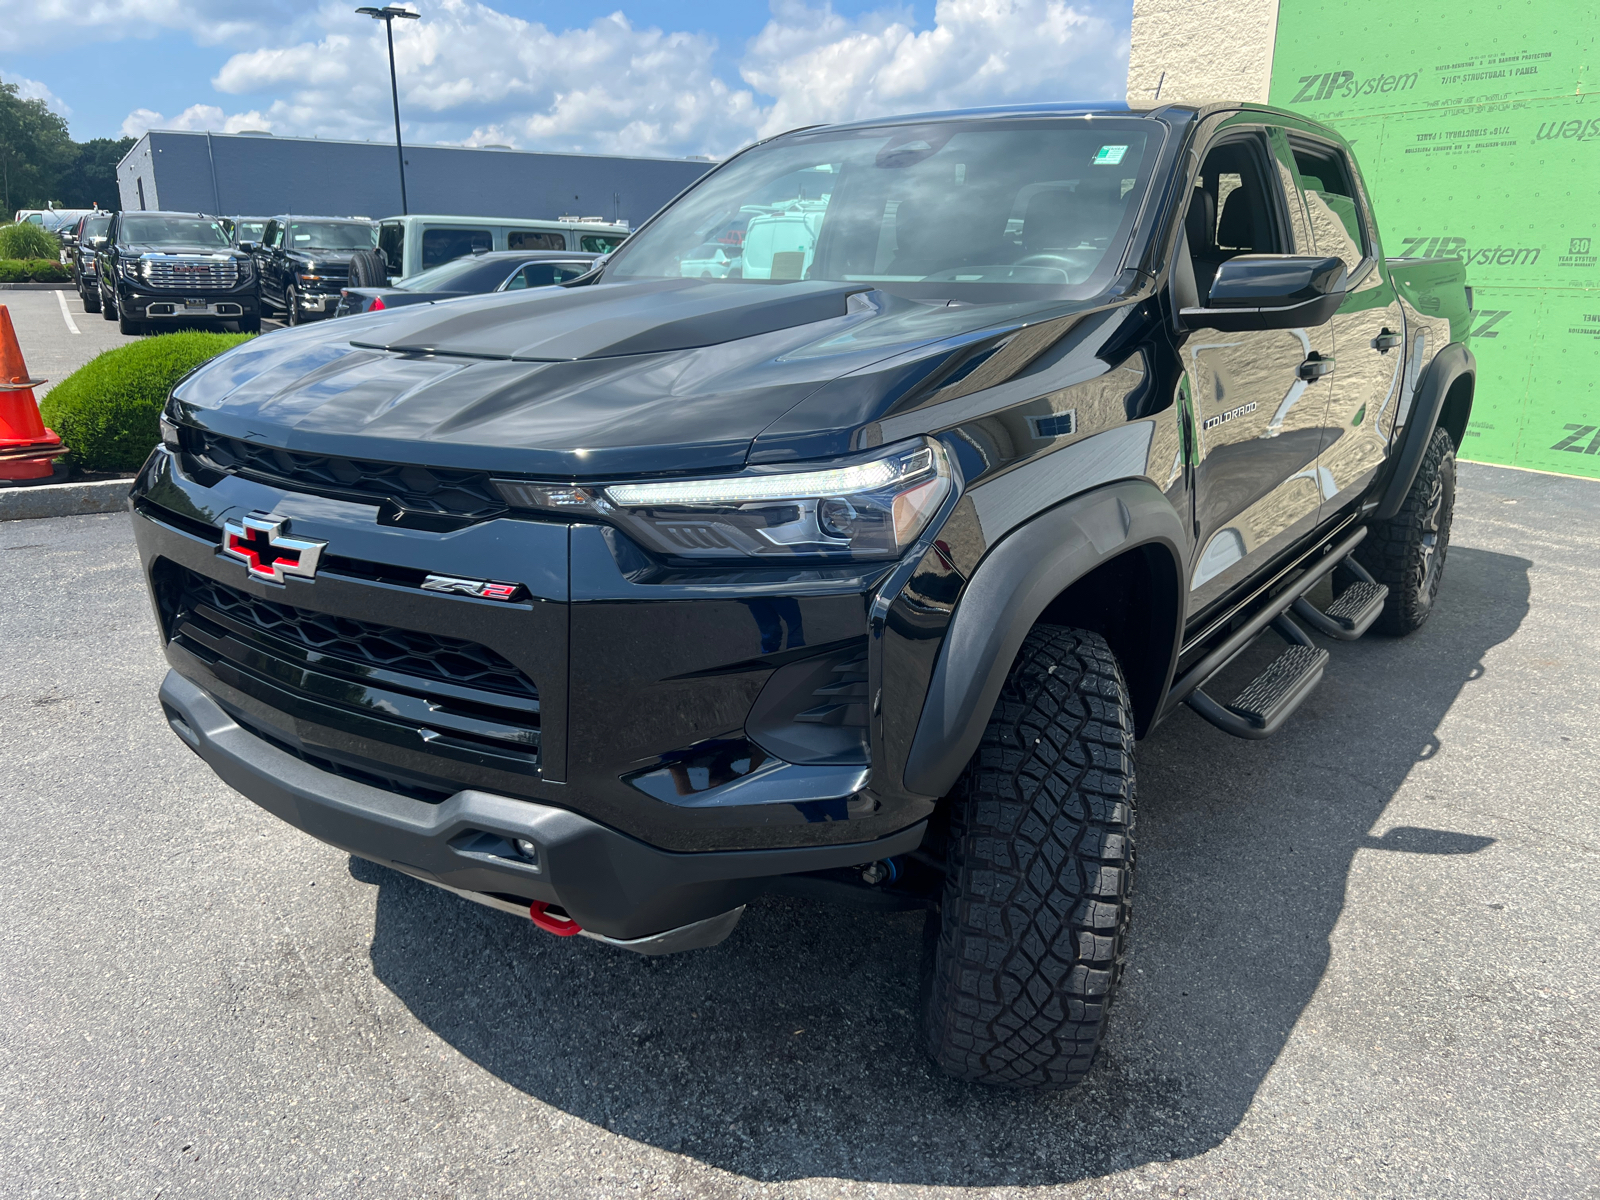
[262,543]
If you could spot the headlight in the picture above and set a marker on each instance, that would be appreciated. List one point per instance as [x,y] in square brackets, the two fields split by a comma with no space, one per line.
[871,508]
[132,268]
[169,427]
[312,278]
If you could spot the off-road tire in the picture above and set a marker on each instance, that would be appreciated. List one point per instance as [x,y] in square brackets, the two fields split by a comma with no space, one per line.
[108,308]
[368,269]
[91,300]
[291,307]
[1034,911]
[130,327]
[250,325]
[1406,553]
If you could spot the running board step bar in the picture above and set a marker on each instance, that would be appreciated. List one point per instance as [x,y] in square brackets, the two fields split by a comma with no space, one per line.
[1352,612]
[1269,699]
[1261,709]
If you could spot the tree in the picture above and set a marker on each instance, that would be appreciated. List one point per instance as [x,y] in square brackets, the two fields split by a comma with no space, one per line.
[35,148]
[91,177]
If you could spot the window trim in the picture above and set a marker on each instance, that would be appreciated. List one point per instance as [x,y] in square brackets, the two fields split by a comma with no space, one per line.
[1370,248]
[505,284]
[1261,137]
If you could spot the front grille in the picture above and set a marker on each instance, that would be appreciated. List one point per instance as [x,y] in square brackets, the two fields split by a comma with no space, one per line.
[431,695]
[198,274]
[436,491]
[362,644]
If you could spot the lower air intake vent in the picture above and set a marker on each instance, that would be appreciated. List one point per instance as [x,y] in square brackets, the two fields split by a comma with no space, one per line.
[816,710]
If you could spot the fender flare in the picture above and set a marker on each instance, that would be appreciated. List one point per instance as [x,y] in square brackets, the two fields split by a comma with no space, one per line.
[1452,363]
[1012,586]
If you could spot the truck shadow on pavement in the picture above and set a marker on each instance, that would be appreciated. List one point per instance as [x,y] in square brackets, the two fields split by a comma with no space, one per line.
[791,1050]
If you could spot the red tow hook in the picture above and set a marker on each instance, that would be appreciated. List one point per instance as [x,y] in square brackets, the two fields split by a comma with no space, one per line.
[560,926]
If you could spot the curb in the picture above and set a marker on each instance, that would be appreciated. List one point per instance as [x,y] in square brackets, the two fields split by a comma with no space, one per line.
[64,499]
[63,286]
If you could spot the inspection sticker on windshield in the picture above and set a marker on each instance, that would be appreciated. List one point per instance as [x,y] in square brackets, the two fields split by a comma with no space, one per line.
[1109,156]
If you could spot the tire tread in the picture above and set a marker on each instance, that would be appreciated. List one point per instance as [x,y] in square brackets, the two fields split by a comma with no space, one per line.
[1040,861]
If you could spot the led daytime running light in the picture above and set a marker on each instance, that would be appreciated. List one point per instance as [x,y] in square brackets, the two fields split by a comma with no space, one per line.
[840,481]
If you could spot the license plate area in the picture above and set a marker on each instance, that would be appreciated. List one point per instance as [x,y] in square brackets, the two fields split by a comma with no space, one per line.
[190,303]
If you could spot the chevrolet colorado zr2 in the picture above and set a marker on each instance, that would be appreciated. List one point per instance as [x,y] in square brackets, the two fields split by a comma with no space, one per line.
[853,569]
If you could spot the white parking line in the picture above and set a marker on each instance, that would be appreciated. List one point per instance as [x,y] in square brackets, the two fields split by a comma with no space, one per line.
[66,313]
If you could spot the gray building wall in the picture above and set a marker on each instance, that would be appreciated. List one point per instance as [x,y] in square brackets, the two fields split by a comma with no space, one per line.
[245,174]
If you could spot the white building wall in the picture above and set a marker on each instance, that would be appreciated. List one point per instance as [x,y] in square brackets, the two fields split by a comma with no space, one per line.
[1198,51]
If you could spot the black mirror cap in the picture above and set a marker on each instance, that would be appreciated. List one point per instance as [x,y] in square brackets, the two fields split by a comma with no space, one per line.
[1274,280]
[249,247]
[1271,291]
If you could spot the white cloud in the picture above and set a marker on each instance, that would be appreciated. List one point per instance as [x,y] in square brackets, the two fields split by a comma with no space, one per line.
[472,74]
[196,116]
[41,24]
[820,67]
[32,89]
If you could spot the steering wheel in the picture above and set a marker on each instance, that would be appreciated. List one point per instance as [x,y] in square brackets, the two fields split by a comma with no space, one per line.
[1074,266]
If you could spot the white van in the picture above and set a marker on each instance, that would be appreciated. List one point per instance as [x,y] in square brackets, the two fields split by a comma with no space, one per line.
[415,243]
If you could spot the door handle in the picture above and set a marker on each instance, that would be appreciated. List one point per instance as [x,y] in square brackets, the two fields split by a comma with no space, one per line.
[1386,341]
[1315,367]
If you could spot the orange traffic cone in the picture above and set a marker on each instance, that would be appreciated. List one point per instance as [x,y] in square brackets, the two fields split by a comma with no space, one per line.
[26,446]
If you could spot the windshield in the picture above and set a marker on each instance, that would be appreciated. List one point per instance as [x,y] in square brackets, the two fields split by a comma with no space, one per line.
[95,227]
[453,276]
[331,235]
[249,231]
[173,231]
[921,209]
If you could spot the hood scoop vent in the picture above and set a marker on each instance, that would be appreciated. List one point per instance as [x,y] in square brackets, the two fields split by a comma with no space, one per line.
[611,320]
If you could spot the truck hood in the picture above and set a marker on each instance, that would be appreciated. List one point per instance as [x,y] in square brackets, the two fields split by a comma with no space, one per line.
[134,248]
[610,380]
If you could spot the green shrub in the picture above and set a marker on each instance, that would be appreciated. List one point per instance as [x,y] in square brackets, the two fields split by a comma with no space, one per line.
[27,241]
[44,270]
[107,410]
[12,271]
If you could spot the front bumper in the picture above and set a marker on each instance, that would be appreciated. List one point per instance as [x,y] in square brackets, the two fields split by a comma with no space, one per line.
[216,306]
[316,302]
[610,884]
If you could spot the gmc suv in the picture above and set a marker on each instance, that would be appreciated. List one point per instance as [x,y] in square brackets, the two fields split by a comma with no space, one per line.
[855,570]
[171,268]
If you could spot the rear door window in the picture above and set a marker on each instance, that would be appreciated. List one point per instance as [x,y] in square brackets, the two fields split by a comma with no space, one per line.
[525,239]
[1337,222]
[443,245]
[546,274]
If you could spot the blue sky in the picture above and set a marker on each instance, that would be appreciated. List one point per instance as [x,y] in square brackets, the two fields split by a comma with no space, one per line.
[644,77]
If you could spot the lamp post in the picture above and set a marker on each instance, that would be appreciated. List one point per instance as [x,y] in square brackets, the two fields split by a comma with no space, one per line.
[387,15]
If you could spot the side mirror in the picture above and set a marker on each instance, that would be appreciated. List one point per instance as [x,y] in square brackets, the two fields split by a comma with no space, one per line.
[1270,291]
[99,243]
[249,247]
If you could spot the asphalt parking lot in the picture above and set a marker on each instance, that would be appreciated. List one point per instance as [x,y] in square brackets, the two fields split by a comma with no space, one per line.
[57,336]
[1364,960]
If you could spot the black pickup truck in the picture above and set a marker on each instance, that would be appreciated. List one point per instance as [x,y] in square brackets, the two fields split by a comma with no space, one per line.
[305,262]
[854,570]
[169,269]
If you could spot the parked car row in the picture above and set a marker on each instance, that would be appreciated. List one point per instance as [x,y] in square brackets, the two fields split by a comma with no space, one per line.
[147,270]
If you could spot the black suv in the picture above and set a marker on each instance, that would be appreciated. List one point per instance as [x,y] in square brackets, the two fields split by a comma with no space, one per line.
[305,262]
[172,268]
[88,239]
[854,571]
